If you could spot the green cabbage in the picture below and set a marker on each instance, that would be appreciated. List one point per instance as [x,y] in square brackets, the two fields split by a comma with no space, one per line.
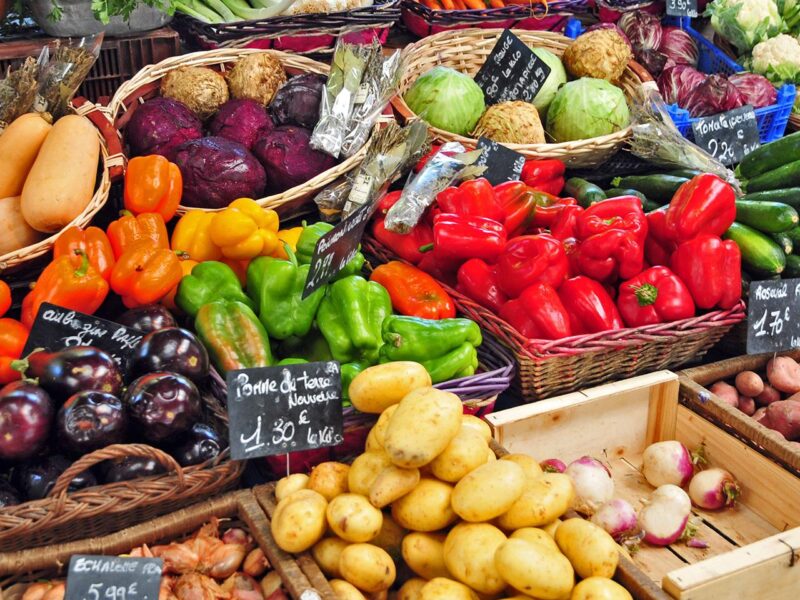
[587,108]
[556,78]
[447,100]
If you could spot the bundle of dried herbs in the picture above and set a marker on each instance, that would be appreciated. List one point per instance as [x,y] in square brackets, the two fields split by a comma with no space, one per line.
[67,67]
[18,91]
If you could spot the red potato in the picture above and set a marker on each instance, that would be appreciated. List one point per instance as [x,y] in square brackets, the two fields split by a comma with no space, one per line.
[768,396]
[749,384]
[747,405]
[726,392]
[784,417]
[783,373]
[761,416]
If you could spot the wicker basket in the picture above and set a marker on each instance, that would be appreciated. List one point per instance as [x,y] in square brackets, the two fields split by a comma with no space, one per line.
[794,122]
[64,517]
[111,160]
[466,50]
[145,85]
[546,367]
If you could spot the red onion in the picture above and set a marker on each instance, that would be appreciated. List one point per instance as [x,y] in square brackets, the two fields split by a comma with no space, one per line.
[675,83]
[715,95]
[679,46]
[756,89]
[643,30]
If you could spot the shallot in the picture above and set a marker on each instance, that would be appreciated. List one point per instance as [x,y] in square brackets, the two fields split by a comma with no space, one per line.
[713,489]
[666,515]
[618,518]
[593,484]
[667,462]
[553,465]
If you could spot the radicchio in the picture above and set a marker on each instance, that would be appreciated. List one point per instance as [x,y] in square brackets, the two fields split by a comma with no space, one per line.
[677,82]
[679,46]
[643,30]
[756,89]
[715,95]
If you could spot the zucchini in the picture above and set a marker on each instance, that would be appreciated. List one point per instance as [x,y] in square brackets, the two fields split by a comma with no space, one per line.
[792,267]
[785,176]
[790,196]
[770,156]
[688,173]
[585,192]
[794,235]
[769,217]
[658,188]
[759,253]
[784,241]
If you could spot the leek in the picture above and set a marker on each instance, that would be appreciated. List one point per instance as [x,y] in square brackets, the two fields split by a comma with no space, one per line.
[269,9]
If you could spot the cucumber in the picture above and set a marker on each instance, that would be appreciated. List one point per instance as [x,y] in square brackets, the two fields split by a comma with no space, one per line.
[585,192]
[769,217]
[785,176]
[658,188]
[794,235]
[790,196]
[770,156]
[688,173]
[784,241]
[759,253]
[792,267]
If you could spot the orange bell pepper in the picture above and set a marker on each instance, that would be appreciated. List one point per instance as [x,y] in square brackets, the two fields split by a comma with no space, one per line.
[93,241]
[13,336]
[127,230]
[414,293]
[145,273]
[239,267]
[187,264]
[75,288]
[153,185]
[5,297]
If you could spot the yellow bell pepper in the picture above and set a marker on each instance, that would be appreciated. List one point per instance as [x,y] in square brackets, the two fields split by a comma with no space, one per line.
[192,236]
[287,236]
[245,230]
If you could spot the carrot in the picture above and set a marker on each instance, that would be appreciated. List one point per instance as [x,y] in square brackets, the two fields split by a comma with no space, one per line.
[475,4]
[432,4]
[448,5]
[497,3]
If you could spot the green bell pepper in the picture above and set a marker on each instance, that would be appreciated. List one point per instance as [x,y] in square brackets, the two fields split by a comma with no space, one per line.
[308,242]
[459,362]
[209,281]
[349,372]
[291,361]
[277,285]
[233,335]
[312,347]
[350,317]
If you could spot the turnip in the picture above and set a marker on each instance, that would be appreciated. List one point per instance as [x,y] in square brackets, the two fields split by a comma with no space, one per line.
[618,518]
[713,489]
[666,515]
[667,462]
[553,465]
[593,484]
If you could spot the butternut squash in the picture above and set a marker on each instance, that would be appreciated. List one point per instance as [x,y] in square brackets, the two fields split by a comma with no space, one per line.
[61,182]
[15,233]
[19,145]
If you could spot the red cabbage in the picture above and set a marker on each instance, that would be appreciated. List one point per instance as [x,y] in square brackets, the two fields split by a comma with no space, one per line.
[216,171]
[757,90]
[242,121]
[297,102]
[675,83]
[715,95]
[679,46]
[643,30]
[160,125]
[288,158]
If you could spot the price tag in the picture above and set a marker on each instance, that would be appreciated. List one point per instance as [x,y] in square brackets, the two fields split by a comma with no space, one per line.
[337,248]
[56,328]
[502,164]
[773,316]
[276,410]
[113,578]
[728,136]
[511,71]
[682,8]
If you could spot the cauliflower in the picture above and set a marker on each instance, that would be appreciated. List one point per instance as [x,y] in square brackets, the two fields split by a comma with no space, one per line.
[778,59]
[744,23]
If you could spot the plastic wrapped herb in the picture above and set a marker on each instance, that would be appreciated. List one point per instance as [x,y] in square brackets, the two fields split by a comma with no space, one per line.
[17,92]
[63,74]
[347,70]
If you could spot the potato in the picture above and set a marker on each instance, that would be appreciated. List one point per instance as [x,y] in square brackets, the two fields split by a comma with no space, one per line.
[424,554]
[465,452]
[543,500]
[783,373]
[478,425]
[326,552]
[726,392]
[353,518]
[784,417]
[590,549]
[747,405]
[534,535]
[380,426]
[550,528]
[329,479]
[491,456]
[469,556]
[488,491]
[422,426]
[768,396]
[411,589]
[529,465]
[290,483]
[535,571]
[299,520]
[367,567]
[425,508]
[364,470]
[392,483]
[518,597]
[345,590]
[372,444]
[749,383]
[442,588]
[377,388]
[761,416]
[599,588]
[390,538]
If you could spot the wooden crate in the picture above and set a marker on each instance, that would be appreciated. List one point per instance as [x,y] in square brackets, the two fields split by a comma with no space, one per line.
[752,548]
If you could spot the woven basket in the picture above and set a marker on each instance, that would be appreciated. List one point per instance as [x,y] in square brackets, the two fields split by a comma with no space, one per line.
[145,85]
[300,34]
[111,164]
[549,367]
[64,517]
[794,122]
[466,50]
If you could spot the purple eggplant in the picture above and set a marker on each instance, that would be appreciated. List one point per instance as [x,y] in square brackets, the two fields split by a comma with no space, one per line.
[174,350]
[91,420]
[9,496]
[35,479]
[130,467]
[163,406]
[203,444]
[26,415]
[150,317]
[73,370]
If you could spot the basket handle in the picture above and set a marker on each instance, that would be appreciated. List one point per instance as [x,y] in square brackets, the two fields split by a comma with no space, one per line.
[401,109]
[116,159]
[111,452]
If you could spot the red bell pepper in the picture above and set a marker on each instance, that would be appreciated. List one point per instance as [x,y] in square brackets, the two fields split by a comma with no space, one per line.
[434,149]
[530,259]
[517,201]
[435,262]
[474,197]
[460,237]
[478,281]
[571,246]
[656,295]
[387,201]
[548,207]
[659,245]
[703,205]
[590,308]
[566,223]
[544,175]
[711,269]
[538,313]
[404,245]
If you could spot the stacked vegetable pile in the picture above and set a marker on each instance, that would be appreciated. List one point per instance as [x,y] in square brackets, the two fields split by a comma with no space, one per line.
[463,522]
[230,11]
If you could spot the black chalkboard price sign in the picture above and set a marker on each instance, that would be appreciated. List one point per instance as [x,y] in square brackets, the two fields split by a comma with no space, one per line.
[113,578]
[502,164]
[728,136]
[773,316]
[56,328]
[275,410]
[511,71]
[682,8]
